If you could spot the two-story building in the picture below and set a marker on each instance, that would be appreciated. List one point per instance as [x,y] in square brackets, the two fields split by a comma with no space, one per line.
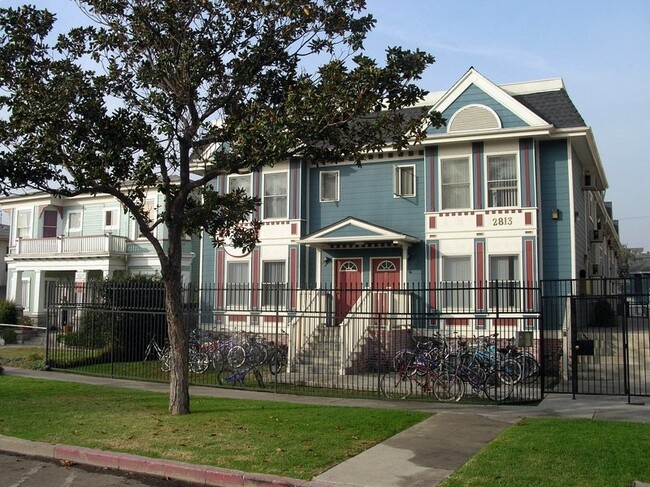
[510,190]
[76,240]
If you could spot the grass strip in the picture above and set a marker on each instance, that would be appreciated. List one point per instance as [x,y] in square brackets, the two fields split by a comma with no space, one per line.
[561,452]
[294,440]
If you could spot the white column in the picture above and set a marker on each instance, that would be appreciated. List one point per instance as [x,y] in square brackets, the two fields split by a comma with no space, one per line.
[15,291]
[39,296]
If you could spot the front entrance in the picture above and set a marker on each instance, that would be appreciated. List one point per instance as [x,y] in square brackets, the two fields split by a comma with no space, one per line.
[385,278]
[347,286]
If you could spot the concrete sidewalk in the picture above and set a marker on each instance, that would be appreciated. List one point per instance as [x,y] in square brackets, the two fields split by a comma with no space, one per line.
[423,455]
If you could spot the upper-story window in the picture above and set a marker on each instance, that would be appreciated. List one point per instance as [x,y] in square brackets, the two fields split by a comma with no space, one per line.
[502,180]
[24,224]
[111,218]
[240,181]
[276,195]
[50,220]
[404,179]
[329,186]
[74,221]
[455,183]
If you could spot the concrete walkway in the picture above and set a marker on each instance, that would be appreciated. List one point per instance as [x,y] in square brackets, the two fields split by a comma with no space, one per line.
[423,455]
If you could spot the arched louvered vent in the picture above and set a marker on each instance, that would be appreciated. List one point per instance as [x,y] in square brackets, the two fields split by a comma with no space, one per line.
[474,117]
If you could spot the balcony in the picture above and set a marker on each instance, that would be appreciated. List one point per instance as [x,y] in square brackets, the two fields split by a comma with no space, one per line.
[66,247]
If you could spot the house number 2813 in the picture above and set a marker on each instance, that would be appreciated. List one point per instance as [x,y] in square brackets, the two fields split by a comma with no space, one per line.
[502,221]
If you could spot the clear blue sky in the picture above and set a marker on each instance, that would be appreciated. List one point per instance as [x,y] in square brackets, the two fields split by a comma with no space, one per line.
[600,49]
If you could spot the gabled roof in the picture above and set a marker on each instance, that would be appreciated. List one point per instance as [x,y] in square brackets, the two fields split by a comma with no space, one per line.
[356,232]
[495,92]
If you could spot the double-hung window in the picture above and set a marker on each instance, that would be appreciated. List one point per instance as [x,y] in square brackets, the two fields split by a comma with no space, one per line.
[329,186]
[404,179]
[455,183]
[273,284]
[457,276]
[110,218]
[237,285]
[276,195]
[74,222]
[504,281]
[24,224]
[502,180]
[242,182]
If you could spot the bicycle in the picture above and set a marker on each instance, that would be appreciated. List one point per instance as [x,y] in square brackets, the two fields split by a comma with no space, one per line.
[161,353]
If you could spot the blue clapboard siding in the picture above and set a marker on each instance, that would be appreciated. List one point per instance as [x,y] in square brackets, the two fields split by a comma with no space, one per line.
[555,193]
[367,193]
[475,96]
[581,238]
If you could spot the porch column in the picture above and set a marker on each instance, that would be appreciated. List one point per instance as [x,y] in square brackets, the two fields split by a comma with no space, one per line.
[39,310]
[80,279]
[319,263]
[405,263]
[15,292]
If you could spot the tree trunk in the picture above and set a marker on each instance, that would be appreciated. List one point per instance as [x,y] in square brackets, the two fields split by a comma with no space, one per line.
[179,396]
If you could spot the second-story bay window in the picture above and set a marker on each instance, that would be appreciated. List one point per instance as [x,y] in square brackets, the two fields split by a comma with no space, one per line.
[502,180]
[455,188]
[276,195]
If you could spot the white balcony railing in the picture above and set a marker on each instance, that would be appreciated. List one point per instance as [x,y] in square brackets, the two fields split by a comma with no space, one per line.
[93,244]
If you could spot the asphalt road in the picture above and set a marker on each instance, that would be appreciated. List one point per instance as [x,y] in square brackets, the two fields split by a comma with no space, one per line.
[19,471]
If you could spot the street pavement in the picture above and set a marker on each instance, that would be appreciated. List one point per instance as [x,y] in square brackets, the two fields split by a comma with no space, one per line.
[423,455]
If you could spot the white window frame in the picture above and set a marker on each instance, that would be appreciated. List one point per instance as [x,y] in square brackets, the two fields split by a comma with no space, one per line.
[269,290]
[455,288]
[238,290]
[337,187]
[488,181]
[231,187]
[443,185]
[30,223]
[69,221]
[266,197]
[115,218]
[509,298]
[398,178]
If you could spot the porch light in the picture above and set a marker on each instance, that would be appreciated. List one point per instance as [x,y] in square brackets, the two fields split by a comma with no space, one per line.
[555,214]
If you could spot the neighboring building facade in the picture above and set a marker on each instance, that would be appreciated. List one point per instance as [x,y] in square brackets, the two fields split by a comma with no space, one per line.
[76,240]
[511,190]
[4,249]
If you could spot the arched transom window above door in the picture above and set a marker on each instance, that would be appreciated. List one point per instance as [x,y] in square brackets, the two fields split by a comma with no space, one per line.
[386,266]
[348,266]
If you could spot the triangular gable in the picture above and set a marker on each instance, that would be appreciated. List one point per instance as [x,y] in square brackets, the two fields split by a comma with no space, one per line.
[355,230]
[475,89]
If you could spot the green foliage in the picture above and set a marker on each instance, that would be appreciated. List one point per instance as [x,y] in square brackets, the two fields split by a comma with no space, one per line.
[8,313]
[9,335]
[23,357]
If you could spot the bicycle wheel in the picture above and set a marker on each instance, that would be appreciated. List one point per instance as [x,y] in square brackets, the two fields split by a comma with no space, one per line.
[258,377]
[166,360]
[529,368]
[510,371]
[256,355]
[199,362]
[448,388]
[395,386]
[236,356]
[496,389]
[218,362]
[277,361]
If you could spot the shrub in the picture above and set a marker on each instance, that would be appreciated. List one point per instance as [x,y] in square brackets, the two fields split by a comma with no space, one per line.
[8,313]
[9,335]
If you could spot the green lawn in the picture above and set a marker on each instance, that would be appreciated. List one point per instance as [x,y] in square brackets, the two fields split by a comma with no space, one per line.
[561,452]
[293,440]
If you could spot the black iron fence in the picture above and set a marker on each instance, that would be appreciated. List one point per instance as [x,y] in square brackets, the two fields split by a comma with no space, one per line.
[421,341]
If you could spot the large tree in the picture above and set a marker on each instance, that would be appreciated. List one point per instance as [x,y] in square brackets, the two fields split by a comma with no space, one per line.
[149,89]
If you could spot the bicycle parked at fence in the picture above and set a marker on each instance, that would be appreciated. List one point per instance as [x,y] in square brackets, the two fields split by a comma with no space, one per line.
[155,351]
